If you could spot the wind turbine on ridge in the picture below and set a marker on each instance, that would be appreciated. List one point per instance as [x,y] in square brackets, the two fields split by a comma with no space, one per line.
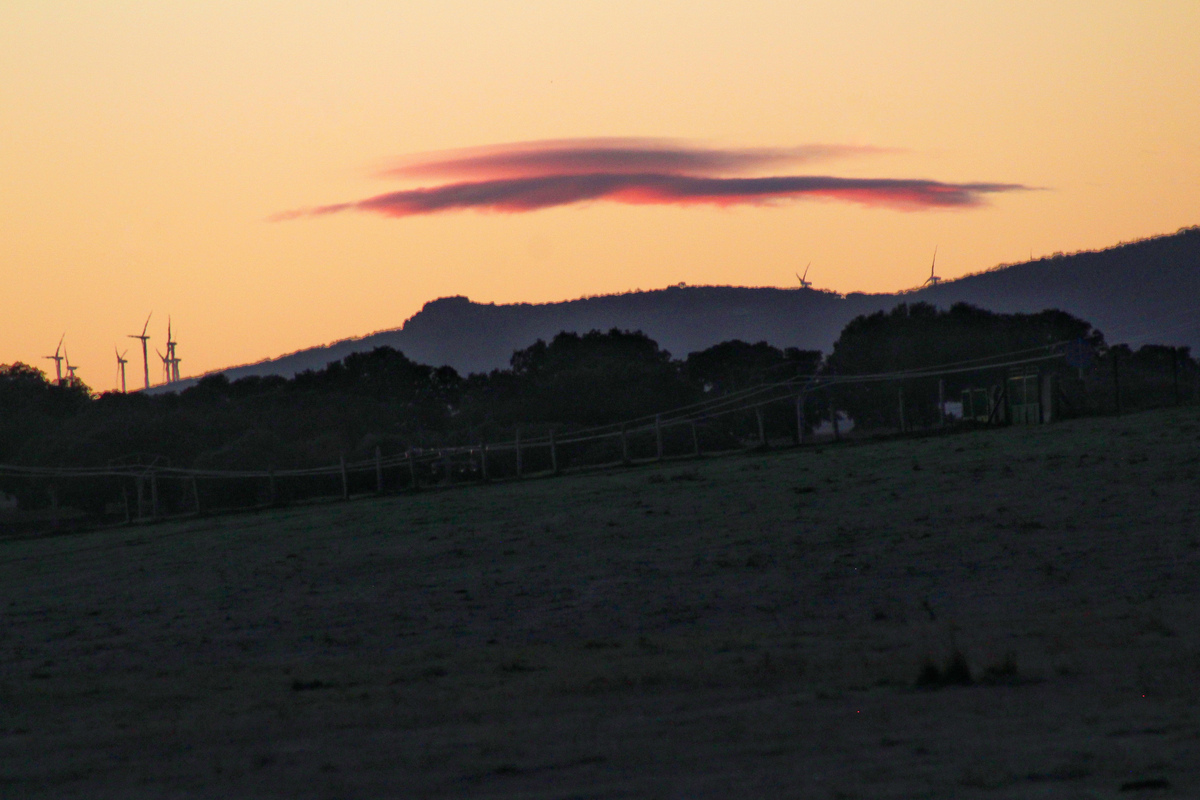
[172,359]
[166,362]
[933,278]
[145,355]
[57,359]
[805,284]
[70,367]
[121,362]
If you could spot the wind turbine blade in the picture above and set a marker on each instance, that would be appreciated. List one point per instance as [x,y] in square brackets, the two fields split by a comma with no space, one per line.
[933,266]
[147,325]
[806,271]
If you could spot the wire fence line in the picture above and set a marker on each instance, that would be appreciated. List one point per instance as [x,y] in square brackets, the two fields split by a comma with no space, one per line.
[160,489]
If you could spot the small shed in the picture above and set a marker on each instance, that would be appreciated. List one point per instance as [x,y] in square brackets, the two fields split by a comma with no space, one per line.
[1030,395]
[1026,397]
[976,405]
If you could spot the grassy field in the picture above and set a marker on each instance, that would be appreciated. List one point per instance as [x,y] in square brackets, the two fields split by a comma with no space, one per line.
[767,625]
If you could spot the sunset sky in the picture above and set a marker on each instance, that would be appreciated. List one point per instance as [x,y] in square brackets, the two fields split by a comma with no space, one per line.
[277,175]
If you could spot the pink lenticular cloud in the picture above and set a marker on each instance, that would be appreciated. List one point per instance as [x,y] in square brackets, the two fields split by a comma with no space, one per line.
[608,155]
[527,177]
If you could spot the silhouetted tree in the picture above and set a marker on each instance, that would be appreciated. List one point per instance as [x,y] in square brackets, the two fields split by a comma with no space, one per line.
[919,336]
[593,379]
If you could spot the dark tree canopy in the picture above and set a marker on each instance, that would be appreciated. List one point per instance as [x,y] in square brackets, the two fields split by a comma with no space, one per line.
[24,387]
[570,352]
[920,335]
[592,379]
[735,365]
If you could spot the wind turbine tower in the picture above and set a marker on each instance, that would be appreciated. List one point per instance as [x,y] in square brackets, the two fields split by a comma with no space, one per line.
[145,355]
[70,367]
[121,362]
[805,284]
[166,362]
[933,279]
[57,359]
[172,363]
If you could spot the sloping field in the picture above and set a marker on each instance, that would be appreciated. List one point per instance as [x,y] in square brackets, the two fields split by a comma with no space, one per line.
[748,626]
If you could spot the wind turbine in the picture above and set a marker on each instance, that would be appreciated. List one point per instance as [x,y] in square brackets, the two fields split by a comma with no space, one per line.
[805,284]
[57,359]
[121,362]
[70,367]
[933,278]
[145,356]
[172,359]
[166,361]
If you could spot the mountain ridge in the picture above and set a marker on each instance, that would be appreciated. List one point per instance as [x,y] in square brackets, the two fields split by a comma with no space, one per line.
[1107,287]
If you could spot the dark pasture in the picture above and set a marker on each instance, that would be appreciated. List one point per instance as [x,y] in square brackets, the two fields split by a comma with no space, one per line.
[999,613]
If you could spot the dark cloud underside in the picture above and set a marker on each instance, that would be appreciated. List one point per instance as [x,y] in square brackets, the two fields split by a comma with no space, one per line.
[531,194]
[535,175]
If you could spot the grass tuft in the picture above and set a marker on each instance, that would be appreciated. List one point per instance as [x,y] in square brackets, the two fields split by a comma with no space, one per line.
[1004,671]
[955,672]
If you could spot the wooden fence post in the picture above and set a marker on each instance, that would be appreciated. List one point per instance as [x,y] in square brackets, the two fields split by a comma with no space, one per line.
[553,453]
[483,473]
[695,441]
[800,418]
[345,478]
[762,428]
[833,417]
[658,444]
[1116,381]
[139,483]
[1175,372]
[125,495]
[412,470]
[1040,396]
[448,464]
[520,471]
[378,469]
[903,427]
[271,488]
[196,493]
[154,493]
[624,444]
[941,402]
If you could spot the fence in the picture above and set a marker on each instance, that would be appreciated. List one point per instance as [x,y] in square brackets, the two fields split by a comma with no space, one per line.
[150,489]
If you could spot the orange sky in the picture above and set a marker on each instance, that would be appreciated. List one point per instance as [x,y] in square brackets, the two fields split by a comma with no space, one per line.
[145,146]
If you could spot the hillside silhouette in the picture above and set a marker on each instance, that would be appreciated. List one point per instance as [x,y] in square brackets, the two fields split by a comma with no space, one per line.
[1134,292]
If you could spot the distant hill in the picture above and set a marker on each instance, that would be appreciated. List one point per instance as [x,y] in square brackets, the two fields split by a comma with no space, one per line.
[1144,291]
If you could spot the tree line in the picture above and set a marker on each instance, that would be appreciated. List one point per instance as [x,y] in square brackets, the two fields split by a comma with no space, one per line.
[383,399]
